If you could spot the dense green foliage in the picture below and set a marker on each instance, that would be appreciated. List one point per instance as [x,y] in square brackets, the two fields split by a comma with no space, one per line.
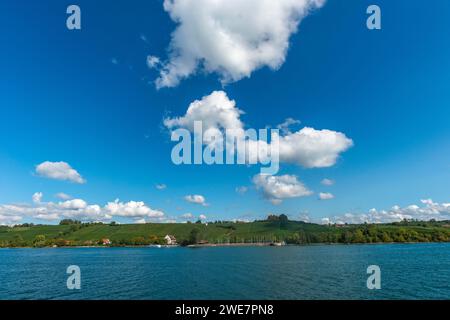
[275,228]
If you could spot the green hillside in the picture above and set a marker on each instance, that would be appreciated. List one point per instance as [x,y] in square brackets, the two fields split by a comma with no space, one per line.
[74,233]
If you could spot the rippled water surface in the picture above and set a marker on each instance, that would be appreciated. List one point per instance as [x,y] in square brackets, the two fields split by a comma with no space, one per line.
[410,271]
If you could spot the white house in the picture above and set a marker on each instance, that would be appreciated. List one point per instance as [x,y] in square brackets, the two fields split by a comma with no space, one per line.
[170,240]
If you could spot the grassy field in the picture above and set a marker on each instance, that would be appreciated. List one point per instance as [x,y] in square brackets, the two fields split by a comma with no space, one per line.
[221,232]
[216,232]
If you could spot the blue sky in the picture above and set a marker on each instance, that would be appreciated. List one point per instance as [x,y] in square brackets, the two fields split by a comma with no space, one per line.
[88,98]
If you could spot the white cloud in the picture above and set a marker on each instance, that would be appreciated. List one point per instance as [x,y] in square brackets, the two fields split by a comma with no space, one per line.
[216,111]
[427,211]
[197,199]
[305,217]
[59,171]
[63,196]
[77,209]
[9,217]
[202,217]
[9,220]
[241,220]
[74,204]
[47,216]
[327,182]
[241,190]
[313,148]
[307,147]
[231,38]
[37,197]
[187,216]
[132,209]
[326,196]
[50,211]
[278,188]
[153,62]
[161,186]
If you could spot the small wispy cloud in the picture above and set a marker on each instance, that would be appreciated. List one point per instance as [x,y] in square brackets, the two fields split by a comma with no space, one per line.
[63,196]
[326,196]
[153,62]
[143,37]
[187,216]
[285,126]
[327,182]
[241,190]
[37,197]
[161,186]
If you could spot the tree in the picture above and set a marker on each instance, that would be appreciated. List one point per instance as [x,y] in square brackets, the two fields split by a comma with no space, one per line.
[74,227]
[385,237]
[283,221]
[345,237]
[17,241]
[66,222]
[358,237]
[139,241]
[193,236]
[39,240]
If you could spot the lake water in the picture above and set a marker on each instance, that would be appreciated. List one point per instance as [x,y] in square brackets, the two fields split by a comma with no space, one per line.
[409,271]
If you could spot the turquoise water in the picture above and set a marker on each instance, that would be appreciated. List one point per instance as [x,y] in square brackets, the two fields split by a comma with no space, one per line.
[409,271]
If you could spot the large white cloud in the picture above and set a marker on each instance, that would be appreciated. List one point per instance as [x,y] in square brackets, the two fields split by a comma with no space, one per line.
[76,209]
[307,147]
[73,204]
[59,171]
[231,38]
[216,111]
[313,148]
[9,219]
[277,188]
[426,211]
[133,209]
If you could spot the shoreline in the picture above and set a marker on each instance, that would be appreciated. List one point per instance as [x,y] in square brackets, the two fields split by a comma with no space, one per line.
[224,245]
